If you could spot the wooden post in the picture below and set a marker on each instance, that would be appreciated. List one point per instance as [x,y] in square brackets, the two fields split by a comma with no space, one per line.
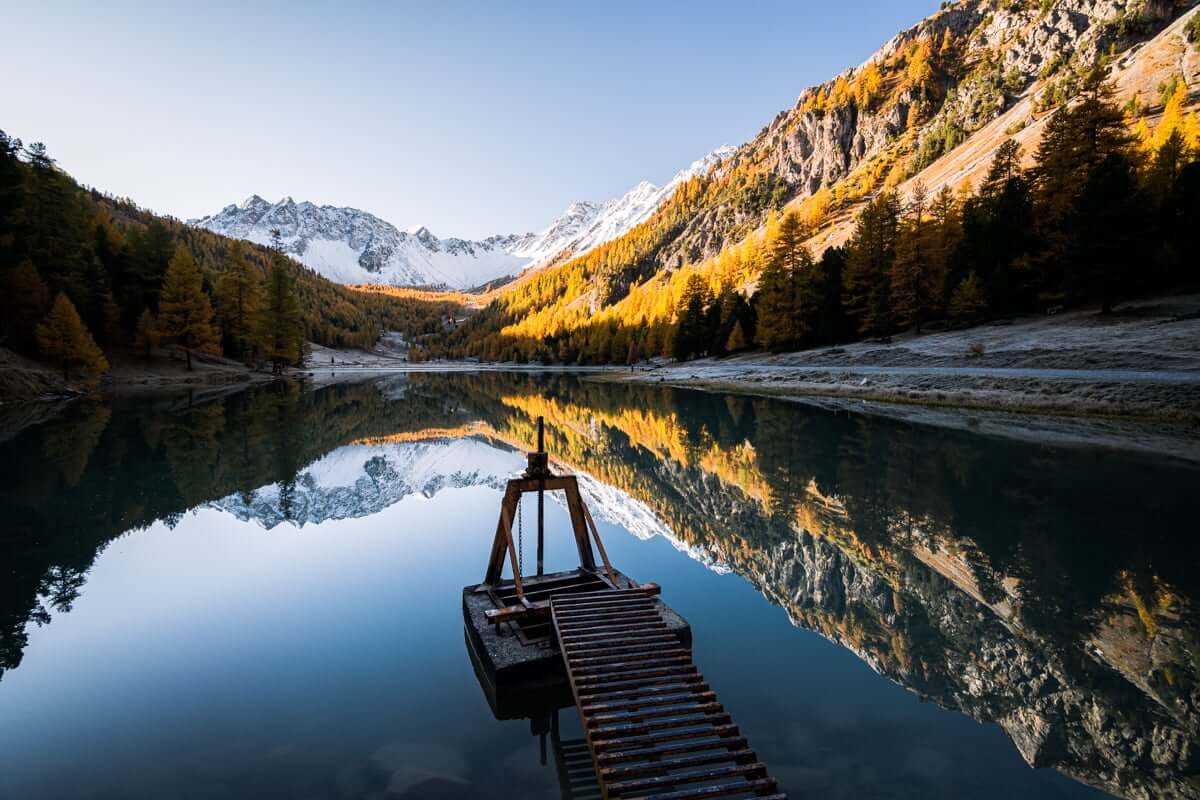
[578,523]
[541,525]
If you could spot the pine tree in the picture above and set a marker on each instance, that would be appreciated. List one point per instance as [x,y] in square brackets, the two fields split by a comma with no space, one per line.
[773,304]
[281,329]
[63,337]
[150,252]
[185,313]
[997,228]
[866,279]
[24,300]
[914,285]
[1102,250]
[1077,138]
[239,300]
[693,335]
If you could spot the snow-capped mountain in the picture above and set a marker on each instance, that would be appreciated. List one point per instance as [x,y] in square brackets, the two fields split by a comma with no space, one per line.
[348,245]
[352,246]
[586,225]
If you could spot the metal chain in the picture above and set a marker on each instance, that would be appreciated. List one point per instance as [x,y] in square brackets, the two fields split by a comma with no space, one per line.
[520,538]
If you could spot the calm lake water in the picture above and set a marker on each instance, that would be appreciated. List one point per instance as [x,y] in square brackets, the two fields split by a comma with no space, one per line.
[259,595]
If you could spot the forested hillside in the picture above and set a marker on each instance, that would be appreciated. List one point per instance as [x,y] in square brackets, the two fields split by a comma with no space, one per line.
[82,272]
[822,228]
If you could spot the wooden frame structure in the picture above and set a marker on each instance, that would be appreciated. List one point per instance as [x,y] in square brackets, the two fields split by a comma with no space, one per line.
[539,479]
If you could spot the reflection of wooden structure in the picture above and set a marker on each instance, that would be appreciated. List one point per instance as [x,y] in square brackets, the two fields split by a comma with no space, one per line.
[508,619]
[525,599]
[653,727]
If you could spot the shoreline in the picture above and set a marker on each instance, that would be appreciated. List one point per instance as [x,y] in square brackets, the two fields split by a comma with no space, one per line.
[1142,363]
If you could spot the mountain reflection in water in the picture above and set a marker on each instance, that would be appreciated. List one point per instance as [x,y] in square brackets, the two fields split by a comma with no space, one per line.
[1049,590]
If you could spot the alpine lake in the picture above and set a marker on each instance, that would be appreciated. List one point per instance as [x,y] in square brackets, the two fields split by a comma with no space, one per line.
[258,593]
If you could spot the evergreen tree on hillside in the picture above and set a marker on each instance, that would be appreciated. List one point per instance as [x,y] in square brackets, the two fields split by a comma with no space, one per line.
[733,315]
[1077,139]
[916,279]
[150,252]
[62,336]
[239,301]
[89,286]
[773,307]
[832,320]
[866,279]
[24,301]
[12,196]
[997,229]
[946,238]
[54,226]
[1102,251]
[789,293]
[281,328]
[695,330]
[184,311]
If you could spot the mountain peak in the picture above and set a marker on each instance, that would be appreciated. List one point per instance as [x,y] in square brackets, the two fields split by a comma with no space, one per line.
[352,246]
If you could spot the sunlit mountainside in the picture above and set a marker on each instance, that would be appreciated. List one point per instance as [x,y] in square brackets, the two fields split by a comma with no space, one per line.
[938,178]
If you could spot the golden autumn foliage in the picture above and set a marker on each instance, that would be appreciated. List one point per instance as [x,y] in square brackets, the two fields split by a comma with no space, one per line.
[64,338]
[185,313]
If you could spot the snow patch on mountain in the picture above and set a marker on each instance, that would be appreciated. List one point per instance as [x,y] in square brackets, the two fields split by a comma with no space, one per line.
[586,225]
[348,245]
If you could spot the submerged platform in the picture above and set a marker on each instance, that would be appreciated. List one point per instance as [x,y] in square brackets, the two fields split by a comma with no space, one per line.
[518,660]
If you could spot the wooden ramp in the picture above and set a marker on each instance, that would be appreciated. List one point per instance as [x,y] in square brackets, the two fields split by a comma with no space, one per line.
[653,726]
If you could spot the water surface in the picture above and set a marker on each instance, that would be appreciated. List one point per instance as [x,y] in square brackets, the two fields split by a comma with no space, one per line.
[258,595]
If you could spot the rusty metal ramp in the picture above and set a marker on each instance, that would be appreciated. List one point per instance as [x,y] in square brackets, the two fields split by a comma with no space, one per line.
[653,727]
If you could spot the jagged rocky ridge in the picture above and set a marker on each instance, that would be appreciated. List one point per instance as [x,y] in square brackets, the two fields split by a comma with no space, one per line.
[352,246]
[1000,52]
[348,245]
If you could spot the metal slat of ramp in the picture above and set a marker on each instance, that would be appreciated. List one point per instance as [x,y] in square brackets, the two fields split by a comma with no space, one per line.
[653,726]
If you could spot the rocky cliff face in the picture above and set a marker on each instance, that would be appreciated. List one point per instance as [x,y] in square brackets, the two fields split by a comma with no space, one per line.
[886,118]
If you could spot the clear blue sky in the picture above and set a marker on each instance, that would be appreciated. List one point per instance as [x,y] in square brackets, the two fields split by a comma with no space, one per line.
[471,118]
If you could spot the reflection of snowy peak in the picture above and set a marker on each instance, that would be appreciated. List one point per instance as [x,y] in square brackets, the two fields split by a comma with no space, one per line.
[360,480]
[615,506]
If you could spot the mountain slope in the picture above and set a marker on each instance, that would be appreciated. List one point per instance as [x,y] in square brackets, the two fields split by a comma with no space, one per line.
[587,225]
[961,81]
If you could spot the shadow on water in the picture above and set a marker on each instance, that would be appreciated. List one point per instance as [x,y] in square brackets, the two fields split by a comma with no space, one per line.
[1051,590]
